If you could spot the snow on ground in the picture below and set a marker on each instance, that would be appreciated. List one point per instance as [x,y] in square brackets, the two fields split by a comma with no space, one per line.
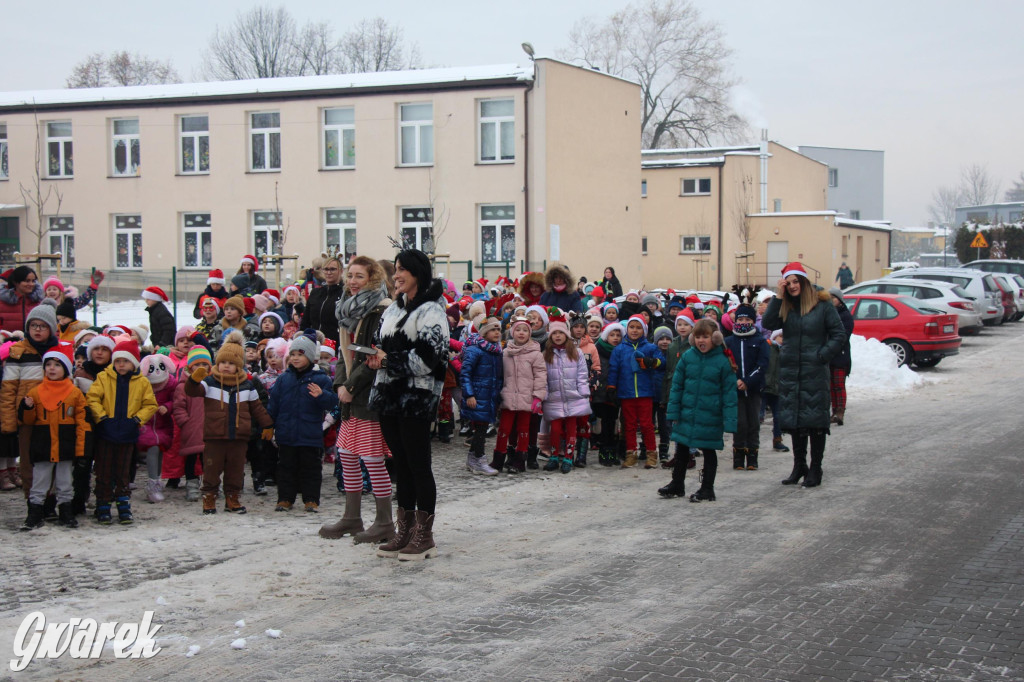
[875,372]
[133,313]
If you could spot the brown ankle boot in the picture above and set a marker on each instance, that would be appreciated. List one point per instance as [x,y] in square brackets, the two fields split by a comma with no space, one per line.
[350,523]
[630,460]
[383,527]
[652,459]
[421,546]
[210,503]
[231,503]
[405,525]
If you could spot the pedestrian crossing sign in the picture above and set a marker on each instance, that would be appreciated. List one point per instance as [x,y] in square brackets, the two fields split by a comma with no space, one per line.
[979,242]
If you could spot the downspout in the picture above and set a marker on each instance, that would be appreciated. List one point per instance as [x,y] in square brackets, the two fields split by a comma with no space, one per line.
[526,167]
[764,170]
[718,274]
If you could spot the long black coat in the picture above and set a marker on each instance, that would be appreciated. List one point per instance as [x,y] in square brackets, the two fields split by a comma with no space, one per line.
[810,343]
[319,313]
[161,326]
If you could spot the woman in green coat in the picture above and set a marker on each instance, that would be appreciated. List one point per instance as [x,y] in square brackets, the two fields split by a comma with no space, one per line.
[814,335]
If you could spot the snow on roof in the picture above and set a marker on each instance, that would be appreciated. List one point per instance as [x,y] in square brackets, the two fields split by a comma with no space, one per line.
[663,163]
[268,86]
[784,214]
[885,225]
[702,150]
[1012,204]
[586,68]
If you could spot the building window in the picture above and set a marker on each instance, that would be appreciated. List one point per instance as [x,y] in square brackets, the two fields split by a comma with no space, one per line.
[124,141]
[3,150]
[498,233]
[62,239]
[643,189]
[643,245]
[416,229]
[340,233]
[695,244]
[497,131]
[198,240]
[195,144]
[977,217]
[878,251]
[696,186]
[339,138]
[267,233]
[1015,216]
[128,242]
[777,205]
[60,159]
[265,138]
[846,241]
[417,134]
[854,215]
[833,177]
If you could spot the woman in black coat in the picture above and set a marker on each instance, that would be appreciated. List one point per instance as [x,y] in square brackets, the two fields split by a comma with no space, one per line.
[610,284]
[841,364]
[813,335]
[319,313]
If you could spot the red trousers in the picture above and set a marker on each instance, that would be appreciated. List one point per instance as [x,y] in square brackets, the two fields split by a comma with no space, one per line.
[637,412]
[563,428]
[513,424]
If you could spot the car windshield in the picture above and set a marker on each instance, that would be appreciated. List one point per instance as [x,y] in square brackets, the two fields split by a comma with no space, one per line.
[919,306]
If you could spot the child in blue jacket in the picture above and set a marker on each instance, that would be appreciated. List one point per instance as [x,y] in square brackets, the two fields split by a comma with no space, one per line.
[633,380]
[298,402]
[481,379]
[751,355]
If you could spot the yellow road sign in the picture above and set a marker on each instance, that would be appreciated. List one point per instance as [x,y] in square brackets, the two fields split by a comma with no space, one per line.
[979,242]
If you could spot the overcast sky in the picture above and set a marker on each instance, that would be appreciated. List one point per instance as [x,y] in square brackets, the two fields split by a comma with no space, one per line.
[935,84]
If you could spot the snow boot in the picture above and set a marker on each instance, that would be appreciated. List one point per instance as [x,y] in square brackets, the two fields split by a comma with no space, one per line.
[444,431]
[50,508]
[124,510]
[232,505]
[778,445]
[466,428]
[706,493]
[751,459]
[383,526]
[478,465]
[192,490]
[351,521]
[103,513]
[154,490]
[738,459]
[663,452]
[630,460]
[421,544]
[531,457]
[6,481]
[652,460]
[581,453]
[258,486]
[676,487]
[405,525]
[553,462]
[34,519]
[66,515]
[837,418]
[517,463]
[210,503]
[498,460]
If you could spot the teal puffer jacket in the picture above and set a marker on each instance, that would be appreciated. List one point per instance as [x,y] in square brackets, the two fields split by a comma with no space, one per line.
[702,402]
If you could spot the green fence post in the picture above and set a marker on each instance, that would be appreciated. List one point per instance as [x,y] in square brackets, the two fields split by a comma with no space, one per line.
[95,299]
[507,271]
[174,289]
[469,271]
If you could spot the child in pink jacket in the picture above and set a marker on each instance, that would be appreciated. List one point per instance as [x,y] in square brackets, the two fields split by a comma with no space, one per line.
[189,416]
[522,395]
[157,435]
[568,396]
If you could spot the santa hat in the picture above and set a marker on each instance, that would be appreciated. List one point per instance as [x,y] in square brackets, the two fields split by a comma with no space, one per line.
[687,314]
[249,305]
[794,268]
[329,347]
[765,295]
[291,287]
[251,260]
[216,277]
[638,318]
[557,321]
[155,294]
[127,349]
[53,282]
[80,336]
[65,353]
[609,328]
[540,310]
[482,282]
[503,281]
[120,328]
[209,301]
[274,295]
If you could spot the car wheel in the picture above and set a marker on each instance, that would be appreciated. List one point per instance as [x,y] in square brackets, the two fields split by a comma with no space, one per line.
[904,354]
[930,362]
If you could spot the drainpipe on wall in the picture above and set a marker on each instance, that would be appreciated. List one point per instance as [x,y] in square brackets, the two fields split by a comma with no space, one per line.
[526,164]
[764,170]
[721,193]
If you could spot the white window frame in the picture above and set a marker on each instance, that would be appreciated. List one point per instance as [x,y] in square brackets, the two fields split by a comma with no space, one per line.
[421,128]
[266,137]
[696,187]
[65,156]
[130,170]
[3,152]
[342,220]
[129,226]
[199,231]
[833,177]
[341,130]
[194,138]
[271,226]
[62,228]
[491,220]
[694,245]
[419,218]
[501,155]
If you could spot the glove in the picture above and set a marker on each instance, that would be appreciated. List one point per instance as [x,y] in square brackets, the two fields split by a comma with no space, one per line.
[268,433]
[198,374]
[648,363]
[96,278]
[537,407]
[638,355]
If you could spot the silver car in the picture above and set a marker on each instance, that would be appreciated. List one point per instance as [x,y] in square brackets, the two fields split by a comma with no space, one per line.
[943,296]
[982,288]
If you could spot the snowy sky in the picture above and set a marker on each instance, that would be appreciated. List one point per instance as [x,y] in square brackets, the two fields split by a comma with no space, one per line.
[936,84]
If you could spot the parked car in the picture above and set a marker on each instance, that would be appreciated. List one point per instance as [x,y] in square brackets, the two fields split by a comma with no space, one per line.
[978,284]
[943,296]
[997,265]
[916,332]
[1013,293]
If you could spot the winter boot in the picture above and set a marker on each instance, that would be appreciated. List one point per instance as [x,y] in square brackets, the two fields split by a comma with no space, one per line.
[478,465]
[258,485]
[50,508]
[383,527]
[466,428]
[566,463]
[751,459]
[444,431]
[210,503]
[492,431]
[351,521]
[103,513]
[813,477]
[517,463]
[706,493]
[799,461]
[421,544]
[738,458]
[531,457]
[676,487]
[6,481]
[405,525]
[620,451]
[34,519]
[553,462]
[663,452]
[630,460]
[124,510]
[837,418]
[498,460]
[16,477]
[231,504]
[192,490]
[581,453]
[66,515]
[652,460]
[154,490]
[173,483]
[778,445]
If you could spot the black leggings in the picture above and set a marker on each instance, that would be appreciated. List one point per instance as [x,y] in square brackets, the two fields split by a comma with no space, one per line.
[408,439]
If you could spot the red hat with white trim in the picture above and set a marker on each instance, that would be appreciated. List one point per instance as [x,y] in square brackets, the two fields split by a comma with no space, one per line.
[155,294]
[637,318]
[251,260]
[126,348]
[274,295]
[209,302]
[65,353]
[794,268]
[216,277]
[329,346]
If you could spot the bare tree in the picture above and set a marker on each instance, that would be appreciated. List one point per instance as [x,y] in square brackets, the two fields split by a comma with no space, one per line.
[35,196]
[680,61]
[743,206]
[1016,193]
[977,186]
[91,72]
[136,69]
[945,200]
[375,45]
[260,43]
[318,52]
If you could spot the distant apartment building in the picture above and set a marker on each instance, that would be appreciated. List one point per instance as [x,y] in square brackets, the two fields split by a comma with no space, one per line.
[490,164]
[855,180]
[990,214]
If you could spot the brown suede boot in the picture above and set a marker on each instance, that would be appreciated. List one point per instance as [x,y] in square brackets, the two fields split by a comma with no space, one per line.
[421,546]
[405,525]
[652,459]
[210,503]
[383,527]
[231,503]
[350,523]
[630,460]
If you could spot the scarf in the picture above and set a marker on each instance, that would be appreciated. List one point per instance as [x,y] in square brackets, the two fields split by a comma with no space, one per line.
[52,393]
[352,308]
[43,346]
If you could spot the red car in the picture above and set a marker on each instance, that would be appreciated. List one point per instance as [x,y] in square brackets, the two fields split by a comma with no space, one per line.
[916,333]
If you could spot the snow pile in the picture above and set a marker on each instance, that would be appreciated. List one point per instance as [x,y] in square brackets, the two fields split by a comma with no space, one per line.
[238,643]
[133,313]
[273,634]
[240,624]
[192,651]
[875,371]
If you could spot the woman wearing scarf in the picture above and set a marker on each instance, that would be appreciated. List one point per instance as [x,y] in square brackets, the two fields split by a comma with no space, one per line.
[364,300]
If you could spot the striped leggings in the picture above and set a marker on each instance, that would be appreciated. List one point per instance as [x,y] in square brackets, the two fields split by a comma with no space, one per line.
[361,439]
[838,390]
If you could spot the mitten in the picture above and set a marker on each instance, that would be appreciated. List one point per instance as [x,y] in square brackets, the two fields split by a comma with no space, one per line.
[198,374]
[268,433]
[95,279]
[638,354]
[537,407]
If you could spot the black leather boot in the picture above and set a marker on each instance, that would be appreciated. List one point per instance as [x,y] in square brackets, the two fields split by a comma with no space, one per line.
[676,487]
[799,460]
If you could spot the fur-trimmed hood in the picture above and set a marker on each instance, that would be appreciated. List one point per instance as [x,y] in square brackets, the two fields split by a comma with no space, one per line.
[530,278]
[558,269]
